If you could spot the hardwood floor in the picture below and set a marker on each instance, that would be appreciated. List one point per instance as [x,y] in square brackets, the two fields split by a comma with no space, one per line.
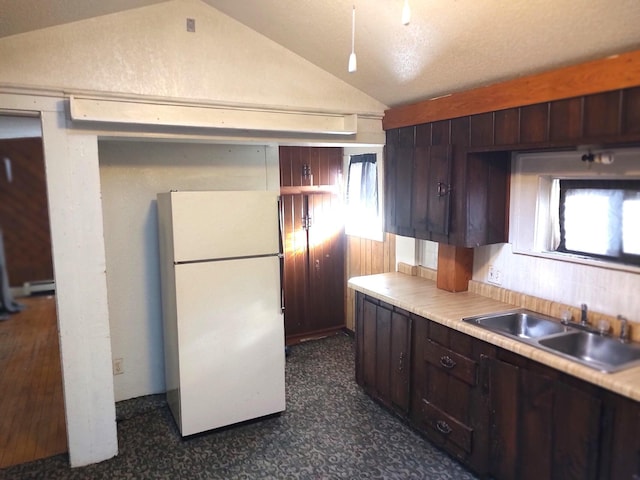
[32,421]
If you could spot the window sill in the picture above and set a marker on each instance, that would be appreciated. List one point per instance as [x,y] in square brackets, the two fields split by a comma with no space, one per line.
[571,258]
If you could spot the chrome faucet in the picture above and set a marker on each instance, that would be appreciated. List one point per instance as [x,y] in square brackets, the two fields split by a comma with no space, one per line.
[583,315]
[624,329]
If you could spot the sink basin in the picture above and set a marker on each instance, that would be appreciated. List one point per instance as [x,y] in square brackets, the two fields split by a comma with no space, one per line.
[569,341]
[605,354]
[521,324]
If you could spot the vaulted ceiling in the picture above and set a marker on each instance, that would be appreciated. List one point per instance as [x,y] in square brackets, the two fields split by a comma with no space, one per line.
[449,46]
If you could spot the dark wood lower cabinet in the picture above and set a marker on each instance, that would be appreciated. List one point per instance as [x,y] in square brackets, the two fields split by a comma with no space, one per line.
[502,415]
[447,400]
[621,458]
[383,349]
[541,426]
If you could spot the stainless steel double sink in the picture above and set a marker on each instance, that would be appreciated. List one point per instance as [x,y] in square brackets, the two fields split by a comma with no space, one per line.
[603,353]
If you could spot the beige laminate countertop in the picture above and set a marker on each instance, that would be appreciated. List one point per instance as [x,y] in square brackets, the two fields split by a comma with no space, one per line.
[420,296]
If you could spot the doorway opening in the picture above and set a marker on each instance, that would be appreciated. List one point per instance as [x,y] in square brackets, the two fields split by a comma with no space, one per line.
[32,425]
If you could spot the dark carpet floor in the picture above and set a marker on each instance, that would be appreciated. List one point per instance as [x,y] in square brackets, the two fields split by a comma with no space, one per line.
[330,430]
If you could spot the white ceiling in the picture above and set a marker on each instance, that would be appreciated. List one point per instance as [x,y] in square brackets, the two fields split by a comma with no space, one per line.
[450,45]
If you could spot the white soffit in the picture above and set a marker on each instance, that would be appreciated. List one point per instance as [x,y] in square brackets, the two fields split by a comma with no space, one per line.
[223,117]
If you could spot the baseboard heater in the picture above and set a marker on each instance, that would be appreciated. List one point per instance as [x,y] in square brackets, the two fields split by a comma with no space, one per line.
[40,286]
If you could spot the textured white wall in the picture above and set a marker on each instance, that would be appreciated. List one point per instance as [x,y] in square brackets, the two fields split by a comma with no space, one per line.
[406,251]
[148,51]
[131,175]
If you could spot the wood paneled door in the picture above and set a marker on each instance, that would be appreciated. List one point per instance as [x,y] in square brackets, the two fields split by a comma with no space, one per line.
[314,244]
[24,215]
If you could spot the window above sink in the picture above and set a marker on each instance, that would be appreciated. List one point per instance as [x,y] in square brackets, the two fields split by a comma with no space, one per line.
[550,208]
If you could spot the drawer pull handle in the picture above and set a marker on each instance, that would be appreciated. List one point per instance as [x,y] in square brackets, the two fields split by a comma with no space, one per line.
[443,427]
[447,362]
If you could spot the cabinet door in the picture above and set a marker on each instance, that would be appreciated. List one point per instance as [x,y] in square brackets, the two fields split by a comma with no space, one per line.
[400,360]
[326,262]
[576,433]
[295,265]
[383,354]
[504,401]
[368,335]
[398,180]
[420,193]
[439,189]
[541,427]
[403,190]
[431,190]
[623,448]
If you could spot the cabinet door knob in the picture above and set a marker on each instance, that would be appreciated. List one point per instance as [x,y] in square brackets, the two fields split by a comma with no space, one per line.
[443,427]
[447,362]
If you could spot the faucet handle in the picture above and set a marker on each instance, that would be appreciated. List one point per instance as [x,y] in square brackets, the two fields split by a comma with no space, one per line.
[603,326]
[565,317]
[625,329]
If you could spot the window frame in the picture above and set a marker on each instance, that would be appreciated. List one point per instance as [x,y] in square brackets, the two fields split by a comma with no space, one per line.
[532,175]
[371,231]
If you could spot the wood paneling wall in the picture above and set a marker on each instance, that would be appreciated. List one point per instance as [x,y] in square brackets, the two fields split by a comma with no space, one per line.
[367,257]
[24,215]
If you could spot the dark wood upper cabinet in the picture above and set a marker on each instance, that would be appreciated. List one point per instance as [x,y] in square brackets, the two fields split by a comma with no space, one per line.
[306,166]
[399,155]
[566,119]
[534,123]
[431,190]
[602,114]
[631,111]
[439,189]
[448,181]
[507,127]
[439,192]
[441,133]
[482,129]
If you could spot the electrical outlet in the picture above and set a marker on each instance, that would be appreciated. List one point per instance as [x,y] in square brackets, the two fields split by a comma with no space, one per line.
[191,25]
[495,275]
[118,366]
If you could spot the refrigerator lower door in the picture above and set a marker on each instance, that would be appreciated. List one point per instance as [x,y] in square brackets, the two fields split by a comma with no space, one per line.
[230,342]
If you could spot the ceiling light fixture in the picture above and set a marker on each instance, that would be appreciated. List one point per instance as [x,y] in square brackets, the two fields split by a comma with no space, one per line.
[406,13]
[353,65]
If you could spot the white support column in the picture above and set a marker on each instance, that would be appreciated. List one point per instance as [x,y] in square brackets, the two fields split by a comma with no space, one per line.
[75,213]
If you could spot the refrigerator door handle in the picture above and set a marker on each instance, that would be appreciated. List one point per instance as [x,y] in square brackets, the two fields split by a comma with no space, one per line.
[281,250]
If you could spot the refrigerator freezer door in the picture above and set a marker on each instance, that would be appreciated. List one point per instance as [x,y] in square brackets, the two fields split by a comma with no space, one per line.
[231,342]
[214,225]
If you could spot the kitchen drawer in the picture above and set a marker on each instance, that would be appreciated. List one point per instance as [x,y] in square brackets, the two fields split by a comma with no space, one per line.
[453,363]
[447,428]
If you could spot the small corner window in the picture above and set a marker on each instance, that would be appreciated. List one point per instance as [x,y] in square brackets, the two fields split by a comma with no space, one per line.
[363,206]
[599,219]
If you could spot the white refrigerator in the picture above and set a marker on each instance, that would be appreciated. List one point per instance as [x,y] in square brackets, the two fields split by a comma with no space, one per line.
[220,256]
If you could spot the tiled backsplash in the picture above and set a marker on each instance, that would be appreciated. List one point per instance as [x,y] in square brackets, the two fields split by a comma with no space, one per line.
[540,305]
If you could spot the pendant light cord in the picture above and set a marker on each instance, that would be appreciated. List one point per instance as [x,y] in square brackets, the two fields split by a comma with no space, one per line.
[353,30]
[352,58]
